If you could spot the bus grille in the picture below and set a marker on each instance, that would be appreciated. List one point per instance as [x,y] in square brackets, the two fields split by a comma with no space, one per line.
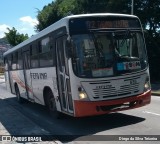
[111,91]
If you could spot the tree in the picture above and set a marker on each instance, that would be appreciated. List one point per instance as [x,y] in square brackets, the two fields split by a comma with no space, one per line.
[91,6]
[149,12]
[47,16]
[54,12]
[14,38]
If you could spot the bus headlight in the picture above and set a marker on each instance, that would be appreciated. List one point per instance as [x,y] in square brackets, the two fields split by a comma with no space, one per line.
[147,85]
[82,93]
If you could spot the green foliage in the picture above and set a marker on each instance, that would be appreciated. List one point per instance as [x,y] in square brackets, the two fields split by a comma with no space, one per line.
[91,6]
[14,38]
[149,13]
[53,12]
[66,7]
[47,16]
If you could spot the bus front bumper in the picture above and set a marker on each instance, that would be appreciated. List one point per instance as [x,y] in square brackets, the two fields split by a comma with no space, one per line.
[88,108]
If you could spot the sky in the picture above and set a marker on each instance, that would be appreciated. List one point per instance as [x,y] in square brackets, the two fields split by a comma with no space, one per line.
[20,14]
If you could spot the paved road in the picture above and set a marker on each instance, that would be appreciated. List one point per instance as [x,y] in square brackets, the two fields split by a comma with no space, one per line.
[33,119]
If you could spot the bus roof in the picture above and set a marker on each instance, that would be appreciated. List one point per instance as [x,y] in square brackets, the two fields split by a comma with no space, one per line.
[62,22]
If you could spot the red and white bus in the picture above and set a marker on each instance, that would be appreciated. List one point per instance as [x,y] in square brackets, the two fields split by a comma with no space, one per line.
[83,65]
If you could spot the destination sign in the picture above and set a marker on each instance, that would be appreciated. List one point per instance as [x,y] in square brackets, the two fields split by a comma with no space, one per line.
[80,25]
[107,24]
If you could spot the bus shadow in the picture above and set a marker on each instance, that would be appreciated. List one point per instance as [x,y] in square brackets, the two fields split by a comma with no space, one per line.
[67,128]
[85,128]
[15,122]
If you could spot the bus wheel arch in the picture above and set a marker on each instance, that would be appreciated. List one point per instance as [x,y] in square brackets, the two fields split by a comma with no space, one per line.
[50,103]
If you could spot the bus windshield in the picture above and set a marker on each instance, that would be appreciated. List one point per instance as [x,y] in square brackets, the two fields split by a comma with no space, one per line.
[108,53]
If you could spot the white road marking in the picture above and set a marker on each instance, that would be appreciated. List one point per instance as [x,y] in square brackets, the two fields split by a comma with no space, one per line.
[151,113]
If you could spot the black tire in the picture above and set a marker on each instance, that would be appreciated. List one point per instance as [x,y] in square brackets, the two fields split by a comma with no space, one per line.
[51,104]
[50,101]
[19,98]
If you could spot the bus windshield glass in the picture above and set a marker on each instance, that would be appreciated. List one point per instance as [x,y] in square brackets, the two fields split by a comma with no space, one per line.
[104,53]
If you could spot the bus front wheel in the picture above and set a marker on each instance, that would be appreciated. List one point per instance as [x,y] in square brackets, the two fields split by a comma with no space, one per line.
[51,104]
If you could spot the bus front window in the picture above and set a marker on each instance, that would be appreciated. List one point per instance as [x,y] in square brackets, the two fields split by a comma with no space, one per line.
[108,53]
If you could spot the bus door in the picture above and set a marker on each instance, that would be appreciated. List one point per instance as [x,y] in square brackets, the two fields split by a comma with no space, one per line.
[63,76]
[27,77]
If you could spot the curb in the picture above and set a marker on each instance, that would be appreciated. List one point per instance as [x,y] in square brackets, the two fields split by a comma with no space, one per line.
[155,93]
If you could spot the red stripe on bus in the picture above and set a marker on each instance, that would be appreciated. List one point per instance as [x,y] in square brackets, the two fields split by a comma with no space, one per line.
[21,83]
[90,108]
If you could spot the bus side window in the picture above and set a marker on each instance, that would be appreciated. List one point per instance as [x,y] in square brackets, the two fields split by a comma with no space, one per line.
[46,55]
[6,64]
[14,60]
[9,62]
[34,56]
[20,62]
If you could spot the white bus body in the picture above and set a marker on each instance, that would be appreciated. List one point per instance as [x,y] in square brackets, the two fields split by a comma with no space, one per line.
[48,69]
